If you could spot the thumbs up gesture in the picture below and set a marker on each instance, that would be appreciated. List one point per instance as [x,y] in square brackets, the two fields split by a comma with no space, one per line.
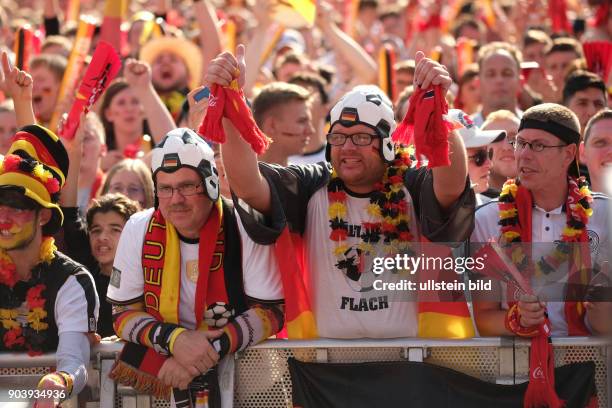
[226,67]
[429,73]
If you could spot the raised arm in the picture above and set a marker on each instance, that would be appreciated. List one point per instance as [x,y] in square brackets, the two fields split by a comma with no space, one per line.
[364,67]
[449,181]
[74,149]
[17,84]
[210,33]
[258,44]
[138,75]
[239,160]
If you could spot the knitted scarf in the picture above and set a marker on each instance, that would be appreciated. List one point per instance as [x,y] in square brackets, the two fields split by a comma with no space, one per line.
[139,365]
[424,122]
[229,102]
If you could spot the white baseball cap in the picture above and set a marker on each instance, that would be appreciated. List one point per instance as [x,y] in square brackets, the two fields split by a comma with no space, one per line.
[472,135]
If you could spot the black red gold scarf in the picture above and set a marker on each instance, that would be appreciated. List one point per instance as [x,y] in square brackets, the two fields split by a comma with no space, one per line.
[139,365]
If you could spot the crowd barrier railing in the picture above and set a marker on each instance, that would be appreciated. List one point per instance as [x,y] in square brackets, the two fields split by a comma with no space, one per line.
[261,376]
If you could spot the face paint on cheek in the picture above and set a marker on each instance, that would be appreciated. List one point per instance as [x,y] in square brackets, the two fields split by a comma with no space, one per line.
[15,236]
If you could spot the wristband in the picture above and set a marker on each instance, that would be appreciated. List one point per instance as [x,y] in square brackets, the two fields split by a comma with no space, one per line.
[513,324]
[68,381]
[173,336]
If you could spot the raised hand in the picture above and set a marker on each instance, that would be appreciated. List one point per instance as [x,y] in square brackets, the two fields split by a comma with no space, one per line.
[197,109]
[137,74]
[15,83]
[325,14]
[223,69]
[429,72]
[263,12]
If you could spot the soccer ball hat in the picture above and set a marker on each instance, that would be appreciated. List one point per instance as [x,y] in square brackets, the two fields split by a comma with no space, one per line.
[182,147]
[366,105]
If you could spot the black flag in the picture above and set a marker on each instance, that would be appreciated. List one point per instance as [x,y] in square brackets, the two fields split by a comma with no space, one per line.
[421,385]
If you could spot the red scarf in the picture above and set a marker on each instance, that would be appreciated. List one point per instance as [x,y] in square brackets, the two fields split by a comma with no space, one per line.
[138,365]
[541,389]
[210,287]
[424,121]
[229,102]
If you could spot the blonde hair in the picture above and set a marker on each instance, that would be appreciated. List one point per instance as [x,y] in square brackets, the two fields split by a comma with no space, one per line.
[497,46]
[502,114]
[144,174]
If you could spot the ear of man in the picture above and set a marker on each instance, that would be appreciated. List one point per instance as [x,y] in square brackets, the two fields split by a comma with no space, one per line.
[44,216]
[269,125]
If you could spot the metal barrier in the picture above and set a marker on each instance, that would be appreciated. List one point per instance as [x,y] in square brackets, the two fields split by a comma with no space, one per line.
[262,377]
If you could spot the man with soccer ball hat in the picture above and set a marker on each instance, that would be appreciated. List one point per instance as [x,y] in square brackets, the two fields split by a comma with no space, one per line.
[367,202]
[182,295]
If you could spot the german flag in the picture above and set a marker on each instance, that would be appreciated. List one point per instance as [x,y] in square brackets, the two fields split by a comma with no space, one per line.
[23,46]
[348,116]
[114,13]
[386,74]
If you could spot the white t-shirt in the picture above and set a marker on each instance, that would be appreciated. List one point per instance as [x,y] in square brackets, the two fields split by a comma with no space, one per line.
[258,282]
[548,227]
[343,307]
[308,158]
[71,306]
[256,261]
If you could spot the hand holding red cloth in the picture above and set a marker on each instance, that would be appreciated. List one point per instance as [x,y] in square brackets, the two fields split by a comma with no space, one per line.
[424,124]
[229,102]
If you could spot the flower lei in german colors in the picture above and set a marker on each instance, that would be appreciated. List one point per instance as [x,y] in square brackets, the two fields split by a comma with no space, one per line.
[579,210]
[14,334]
[388,209]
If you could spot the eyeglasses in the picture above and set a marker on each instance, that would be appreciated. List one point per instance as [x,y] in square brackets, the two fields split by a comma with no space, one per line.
[128,190]
[358,139]
[481,156]
[519,144]
[185,190]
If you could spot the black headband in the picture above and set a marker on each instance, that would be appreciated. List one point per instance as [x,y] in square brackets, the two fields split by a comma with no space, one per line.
[564,133]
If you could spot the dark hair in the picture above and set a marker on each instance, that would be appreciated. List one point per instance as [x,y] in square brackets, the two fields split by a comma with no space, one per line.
[327,72]
[290,57]
[303,78]
[117,86]
[579,81]
[565,44]
[364,4]
[276,94]
[601,115]
[466,21]
[116,202]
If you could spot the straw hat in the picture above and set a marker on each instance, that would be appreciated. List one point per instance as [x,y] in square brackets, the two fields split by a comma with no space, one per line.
[185,49]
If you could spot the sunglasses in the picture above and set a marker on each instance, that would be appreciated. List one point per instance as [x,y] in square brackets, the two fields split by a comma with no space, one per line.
[481,156]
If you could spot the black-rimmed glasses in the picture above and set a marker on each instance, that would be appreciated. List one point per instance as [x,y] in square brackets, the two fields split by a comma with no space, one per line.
[358,139]
[520,144]
[185,190]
